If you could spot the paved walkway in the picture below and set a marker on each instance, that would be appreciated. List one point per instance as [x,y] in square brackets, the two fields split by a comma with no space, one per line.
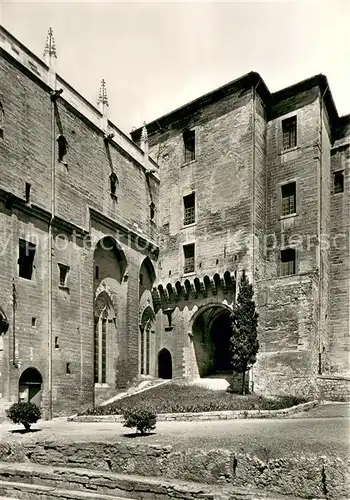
[303,434]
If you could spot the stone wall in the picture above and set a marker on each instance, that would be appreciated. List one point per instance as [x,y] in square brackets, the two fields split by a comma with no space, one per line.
[85,212]
[300,476]
[333,388]
[339,325]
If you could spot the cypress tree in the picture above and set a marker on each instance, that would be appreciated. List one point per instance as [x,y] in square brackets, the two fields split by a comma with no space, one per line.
[244,344]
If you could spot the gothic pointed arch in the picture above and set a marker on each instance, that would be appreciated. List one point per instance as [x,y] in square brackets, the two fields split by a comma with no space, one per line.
[105,325]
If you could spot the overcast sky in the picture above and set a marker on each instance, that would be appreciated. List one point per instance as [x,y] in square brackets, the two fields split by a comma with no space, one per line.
[156,56]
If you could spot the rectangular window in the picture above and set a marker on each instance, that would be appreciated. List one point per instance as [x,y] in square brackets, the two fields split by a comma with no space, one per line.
[189,145]
[97,273]
[288,261]
[289,130]
[288,198]
[63,274]
[26,259]
[27,194]
[189,258]
[189,209]
[338,182]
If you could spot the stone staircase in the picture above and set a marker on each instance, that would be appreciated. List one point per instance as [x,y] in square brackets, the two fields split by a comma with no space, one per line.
[24,481]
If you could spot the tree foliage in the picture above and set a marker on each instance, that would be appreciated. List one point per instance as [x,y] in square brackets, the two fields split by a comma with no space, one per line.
[24,413]
[244,344]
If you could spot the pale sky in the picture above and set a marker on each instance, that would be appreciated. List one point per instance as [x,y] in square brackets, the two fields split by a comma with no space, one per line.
[156,56]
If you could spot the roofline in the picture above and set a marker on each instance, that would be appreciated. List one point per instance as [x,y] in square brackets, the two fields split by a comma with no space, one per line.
[76,93]
[251,79]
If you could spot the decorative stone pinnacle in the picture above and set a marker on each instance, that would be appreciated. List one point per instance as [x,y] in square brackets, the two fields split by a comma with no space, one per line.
[102,96]
[50,47]
[144,135]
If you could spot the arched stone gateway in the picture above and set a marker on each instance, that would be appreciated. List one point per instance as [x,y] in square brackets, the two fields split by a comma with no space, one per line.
[211,333]
[29,386]
[165,368]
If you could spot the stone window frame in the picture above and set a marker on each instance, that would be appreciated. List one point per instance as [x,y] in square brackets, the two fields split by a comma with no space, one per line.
[62,149]
[296,261]
[185,244]
[337,172]
[194,131]
[289,116]
[33,248]
[184,195]
[63,273]
[280,199]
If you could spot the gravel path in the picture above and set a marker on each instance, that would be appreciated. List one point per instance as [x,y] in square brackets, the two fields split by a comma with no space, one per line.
[308,434]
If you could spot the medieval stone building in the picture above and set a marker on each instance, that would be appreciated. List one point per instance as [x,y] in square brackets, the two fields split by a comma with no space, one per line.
[120,256]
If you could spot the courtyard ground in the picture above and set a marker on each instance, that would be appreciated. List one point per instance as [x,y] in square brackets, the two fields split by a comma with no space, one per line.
[323,430]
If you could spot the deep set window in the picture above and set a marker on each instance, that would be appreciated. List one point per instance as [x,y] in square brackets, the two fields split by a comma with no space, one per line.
[338,182]
[189,145]
[288,262]
[113,181]
[152,211]
[288,198]
[62,148]
[289,131]
[189,209]
[26,259]
[27,192]
[63,274]
[188,258]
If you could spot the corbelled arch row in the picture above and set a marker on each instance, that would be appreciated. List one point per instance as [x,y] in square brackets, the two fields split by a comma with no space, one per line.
[193,325]
[110,304]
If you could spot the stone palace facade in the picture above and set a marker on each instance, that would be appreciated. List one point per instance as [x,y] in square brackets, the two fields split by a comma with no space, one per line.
[121,255]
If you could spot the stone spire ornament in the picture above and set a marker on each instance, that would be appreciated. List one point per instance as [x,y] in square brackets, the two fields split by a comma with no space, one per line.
[50,46]
[50,57]
[102,102]
[144,139]
[102,96]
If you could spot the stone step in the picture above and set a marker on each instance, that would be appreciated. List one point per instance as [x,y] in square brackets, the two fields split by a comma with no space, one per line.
[23,491]
[33,481]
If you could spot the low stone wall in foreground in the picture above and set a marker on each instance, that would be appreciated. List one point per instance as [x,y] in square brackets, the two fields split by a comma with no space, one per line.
[318,477]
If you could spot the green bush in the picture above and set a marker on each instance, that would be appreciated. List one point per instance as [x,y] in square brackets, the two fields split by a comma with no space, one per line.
[143,419]
[24,413]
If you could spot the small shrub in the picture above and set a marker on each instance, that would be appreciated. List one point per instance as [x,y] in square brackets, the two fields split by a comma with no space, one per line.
[143,419]
[24,413]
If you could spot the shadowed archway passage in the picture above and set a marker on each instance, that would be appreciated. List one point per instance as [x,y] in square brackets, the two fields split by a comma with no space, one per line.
[211,338]
[165,369]
[29,386]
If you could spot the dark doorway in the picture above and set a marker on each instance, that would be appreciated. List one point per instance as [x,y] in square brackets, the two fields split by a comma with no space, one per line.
[221,333]
[29,386]
[165,369]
